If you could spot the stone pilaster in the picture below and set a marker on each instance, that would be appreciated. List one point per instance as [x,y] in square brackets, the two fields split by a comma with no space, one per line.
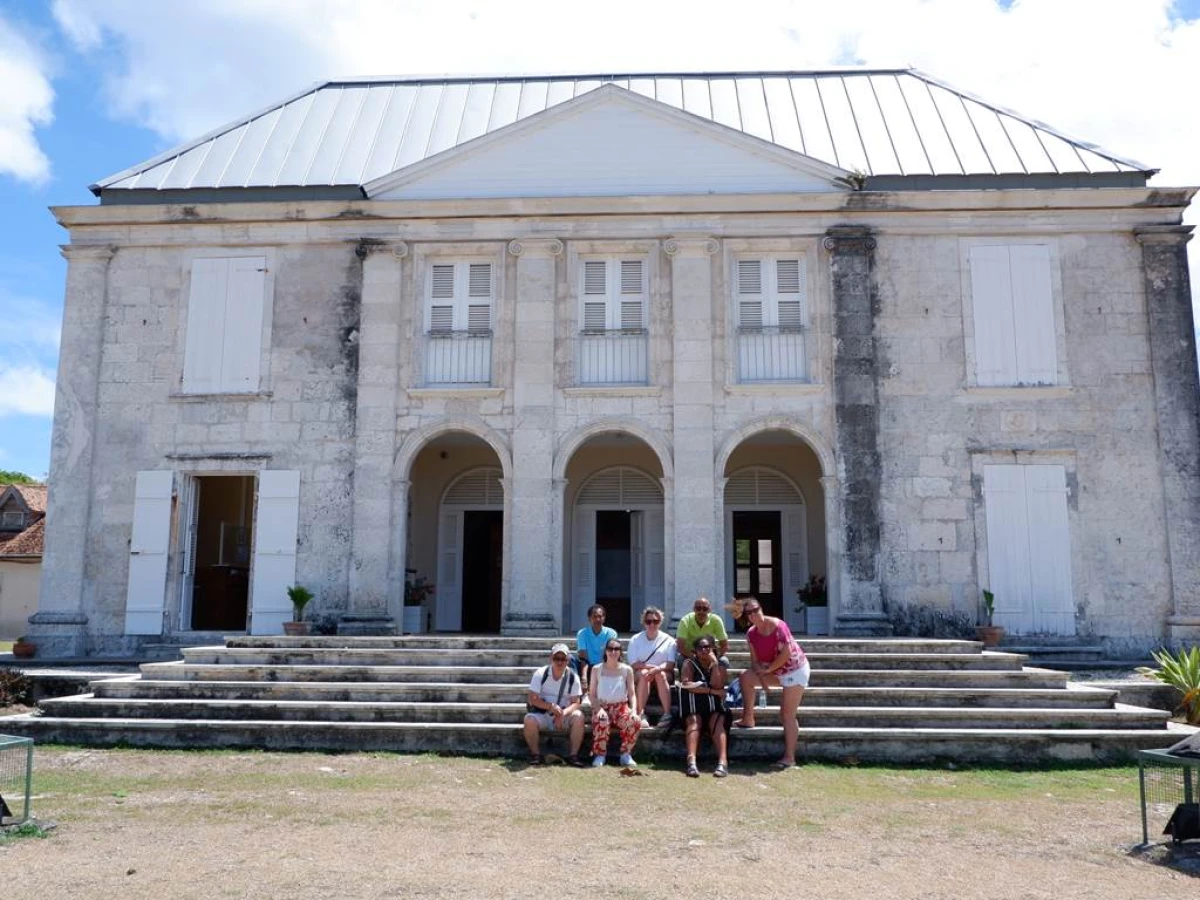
[856,396]
[534,603]
[376,590]
[59,625]
[695,503]
[1177,406]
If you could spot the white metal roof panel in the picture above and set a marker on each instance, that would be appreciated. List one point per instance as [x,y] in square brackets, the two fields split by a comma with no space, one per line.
[890,122]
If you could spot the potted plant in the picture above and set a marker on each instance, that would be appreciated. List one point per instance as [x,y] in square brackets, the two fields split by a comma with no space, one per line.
[300,597]
[415,592]
[1181,670]
[814,605]
[987,632]
[23,648]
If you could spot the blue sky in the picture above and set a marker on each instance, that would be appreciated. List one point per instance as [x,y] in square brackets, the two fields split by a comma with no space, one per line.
[94,86]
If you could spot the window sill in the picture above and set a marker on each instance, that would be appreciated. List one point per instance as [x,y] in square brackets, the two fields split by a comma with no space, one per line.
[613,390]
[780,388]
[246,396]
[467,391]
[988,394]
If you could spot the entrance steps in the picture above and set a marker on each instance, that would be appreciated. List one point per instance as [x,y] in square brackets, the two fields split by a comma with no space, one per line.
[887,700]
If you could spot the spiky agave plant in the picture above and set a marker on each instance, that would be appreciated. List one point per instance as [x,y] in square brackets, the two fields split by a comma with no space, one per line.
[1181,670]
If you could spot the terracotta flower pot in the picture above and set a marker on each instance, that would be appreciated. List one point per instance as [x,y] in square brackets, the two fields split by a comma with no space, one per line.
[296,629]
[24,649]
[989,634]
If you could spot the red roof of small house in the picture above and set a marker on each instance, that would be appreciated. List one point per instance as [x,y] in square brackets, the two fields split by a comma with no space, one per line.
[28,543]
[34,496]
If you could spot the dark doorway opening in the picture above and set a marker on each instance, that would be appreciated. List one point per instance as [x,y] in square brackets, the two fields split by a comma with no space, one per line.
[483,546]
[217,557]
[756,571]
[614,566]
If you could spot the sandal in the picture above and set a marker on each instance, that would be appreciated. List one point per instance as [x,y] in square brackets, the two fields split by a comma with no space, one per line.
[720,771]
[743,725]
[781,765]
[535,759]
[691,770]
[574,760]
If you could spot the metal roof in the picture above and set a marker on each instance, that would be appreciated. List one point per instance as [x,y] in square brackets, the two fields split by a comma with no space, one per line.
[882,122]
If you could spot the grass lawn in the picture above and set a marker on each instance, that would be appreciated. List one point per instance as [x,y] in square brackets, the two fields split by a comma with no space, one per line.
[6,646]
[277,825]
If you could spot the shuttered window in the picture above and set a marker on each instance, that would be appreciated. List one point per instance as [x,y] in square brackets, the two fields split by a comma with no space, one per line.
[613,295]
[459,298]
[1013,306]
[769,293]
[223,350]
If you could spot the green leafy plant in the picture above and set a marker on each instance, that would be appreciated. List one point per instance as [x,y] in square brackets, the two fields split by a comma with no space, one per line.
[300,597]
[417,590]
[1181,670]
[814,593]
[989,607]
[16,688]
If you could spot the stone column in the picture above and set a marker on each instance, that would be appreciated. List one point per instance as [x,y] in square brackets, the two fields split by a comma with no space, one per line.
[856,396]
[697,534]
[1177,405]
[376,590]
[534,604]
[60,625]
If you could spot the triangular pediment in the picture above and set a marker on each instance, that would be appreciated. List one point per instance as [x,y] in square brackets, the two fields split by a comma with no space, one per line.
[609,142]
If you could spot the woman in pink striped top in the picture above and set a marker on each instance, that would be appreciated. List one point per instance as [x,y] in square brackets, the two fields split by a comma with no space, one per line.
[775,659]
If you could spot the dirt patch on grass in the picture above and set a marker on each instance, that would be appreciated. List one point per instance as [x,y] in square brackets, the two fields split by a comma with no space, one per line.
[140,824]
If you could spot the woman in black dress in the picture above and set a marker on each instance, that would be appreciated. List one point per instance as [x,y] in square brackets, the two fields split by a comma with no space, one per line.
[702,700]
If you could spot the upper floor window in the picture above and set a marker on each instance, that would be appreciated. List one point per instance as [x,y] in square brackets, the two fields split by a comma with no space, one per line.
[769,294]
[1012,304]
[12,520]
[223,352]
[458,323]
[613,295]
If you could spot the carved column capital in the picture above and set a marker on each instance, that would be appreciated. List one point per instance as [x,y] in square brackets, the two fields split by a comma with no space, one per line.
[535,247]
[691,246]
[97,252]
[853,239]
[366,246]
[1163,234]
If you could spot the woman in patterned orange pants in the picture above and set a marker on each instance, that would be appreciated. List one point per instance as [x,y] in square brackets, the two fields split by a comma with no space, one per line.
[614,702]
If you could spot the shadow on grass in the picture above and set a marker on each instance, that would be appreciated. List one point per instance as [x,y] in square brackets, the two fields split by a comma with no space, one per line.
[1183,858]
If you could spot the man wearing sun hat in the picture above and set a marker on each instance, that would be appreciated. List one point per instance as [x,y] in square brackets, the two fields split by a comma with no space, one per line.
[553,704]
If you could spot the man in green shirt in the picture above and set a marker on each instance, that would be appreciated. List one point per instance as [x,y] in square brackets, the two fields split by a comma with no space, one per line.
[702,621]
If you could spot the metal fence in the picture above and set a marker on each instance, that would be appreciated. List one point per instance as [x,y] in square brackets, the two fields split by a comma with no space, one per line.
[616,356]
[770,354]
[458,357]
[1170,791]
[16,778]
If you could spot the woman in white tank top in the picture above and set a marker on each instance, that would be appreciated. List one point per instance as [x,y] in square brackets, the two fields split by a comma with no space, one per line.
[614,702]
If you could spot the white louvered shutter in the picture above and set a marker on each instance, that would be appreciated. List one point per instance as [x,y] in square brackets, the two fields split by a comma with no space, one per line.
[795,561]
[187,565]
[1033,315]
[276,531]
[242,355]
[789,300]
[449,584]
[223,350]
[441,298]
[149,542]
[633,294]
[205,326]
[750,293]
[637,562]
[656,588]
[1008,546]
[584,575]
[479,298]
[991,304]
[595,295]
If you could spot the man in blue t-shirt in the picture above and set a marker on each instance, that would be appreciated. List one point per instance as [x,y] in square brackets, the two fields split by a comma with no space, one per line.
[590,643]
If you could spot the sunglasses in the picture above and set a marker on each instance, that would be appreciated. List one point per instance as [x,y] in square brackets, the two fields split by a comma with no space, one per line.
[703,648]
[651,621]
[559,658]
[751,610]
[701,608]
[612,649]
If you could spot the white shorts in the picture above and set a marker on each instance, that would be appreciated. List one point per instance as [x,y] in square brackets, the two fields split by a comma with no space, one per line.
[545,720]
[797,678]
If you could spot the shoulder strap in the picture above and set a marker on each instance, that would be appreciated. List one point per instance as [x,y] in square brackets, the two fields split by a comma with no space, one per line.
[545,675]
[568,677]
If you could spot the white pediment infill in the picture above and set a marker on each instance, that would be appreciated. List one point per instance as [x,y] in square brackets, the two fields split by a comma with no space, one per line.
[609,142]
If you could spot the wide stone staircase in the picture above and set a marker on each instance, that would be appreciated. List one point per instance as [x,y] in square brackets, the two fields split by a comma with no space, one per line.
[887,700]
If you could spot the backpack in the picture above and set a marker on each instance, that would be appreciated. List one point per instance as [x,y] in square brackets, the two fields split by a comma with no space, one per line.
[570,679]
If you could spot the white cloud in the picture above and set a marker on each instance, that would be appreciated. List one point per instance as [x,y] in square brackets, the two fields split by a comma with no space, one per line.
[26,390]
[29,323]
[25,103]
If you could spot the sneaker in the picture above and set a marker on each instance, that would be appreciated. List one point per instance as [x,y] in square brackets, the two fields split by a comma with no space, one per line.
[627,761]
[598,761]
[645,722]
[574,760]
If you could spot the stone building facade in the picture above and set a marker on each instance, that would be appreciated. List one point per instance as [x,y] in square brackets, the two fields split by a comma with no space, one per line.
[617,350]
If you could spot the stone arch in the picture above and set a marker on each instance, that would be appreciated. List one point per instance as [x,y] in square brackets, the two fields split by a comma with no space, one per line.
[804,432]
[632,427]
[415,440]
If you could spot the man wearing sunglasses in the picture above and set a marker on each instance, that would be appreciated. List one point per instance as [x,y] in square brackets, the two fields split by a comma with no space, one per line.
[701,622]
[553,704]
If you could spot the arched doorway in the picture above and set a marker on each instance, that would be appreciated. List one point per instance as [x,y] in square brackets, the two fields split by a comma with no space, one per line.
[774,523]
[455,532]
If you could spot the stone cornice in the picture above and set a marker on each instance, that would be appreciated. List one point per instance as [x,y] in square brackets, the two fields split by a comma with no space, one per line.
[98,252]
[534,247]
[844,239]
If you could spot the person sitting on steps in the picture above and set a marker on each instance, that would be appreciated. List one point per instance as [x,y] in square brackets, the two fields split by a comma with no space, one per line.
[652,655]
[553,704]
[590,642]
[614,702]
[702,703]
